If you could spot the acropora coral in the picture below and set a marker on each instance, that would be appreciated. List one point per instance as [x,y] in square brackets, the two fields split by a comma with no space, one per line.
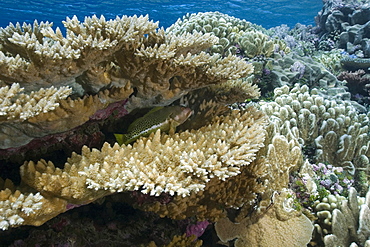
[127,61]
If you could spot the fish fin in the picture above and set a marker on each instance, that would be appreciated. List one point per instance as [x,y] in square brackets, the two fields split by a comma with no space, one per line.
[154,109]
[121,139]
[172,126]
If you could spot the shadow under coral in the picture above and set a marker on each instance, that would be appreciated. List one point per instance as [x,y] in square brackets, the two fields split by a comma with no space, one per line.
[108,222]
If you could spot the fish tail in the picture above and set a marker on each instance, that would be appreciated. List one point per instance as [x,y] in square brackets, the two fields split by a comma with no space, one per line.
[121,138]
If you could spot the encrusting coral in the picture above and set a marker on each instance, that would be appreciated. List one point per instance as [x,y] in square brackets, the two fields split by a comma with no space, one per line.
[281,225]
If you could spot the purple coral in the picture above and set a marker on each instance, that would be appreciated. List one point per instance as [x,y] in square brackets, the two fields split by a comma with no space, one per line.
[197,229]
[334,179]
[298,67]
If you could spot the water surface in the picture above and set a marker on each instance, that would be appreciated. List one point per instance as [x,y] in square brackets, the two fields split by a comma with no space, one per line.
[268,13]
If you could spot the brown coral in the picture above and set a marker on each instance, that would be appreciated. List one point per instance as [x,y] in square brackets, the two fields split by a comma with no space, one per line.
[107,58]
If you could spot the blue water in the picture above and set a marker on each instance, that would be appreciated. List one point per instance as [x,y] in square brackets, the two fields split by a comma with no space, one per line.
[268,13]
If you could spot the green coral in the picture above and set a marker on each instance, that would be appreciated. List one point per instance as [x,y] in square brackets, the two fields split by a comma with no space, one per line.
[236,36]
[331,60]
[227,28]
[256,43]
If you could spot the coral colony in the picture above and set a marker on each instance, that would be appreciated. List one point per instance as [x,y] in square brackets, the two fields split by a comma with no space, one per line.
[228,133]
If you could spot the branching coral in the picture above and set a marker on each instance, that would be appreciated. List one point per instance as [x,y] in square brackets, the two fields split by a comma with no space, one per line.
[217,152]
[339,133]
[109,59]
[350,221]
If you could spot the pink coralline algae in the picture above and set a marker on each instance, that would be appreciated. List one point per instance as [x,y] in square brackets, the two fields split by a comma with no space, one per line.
[197,229]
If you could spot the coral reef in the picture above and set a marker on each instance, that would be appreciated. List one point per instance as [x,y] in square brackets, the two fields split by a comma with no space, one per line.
[345,24]
[236,36]
[349,220]
[339,134]
[210,155]
[355,63]
[331,60]
[233,169]
[227,28]
[300,39]
[358,84]
[117,225]
[17,208]
[109,59]
[195,157]
[293,68]
[146,67]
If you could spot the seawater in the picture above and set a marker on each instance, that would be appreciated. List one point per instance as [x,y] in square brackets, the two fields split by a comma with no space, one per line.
[268,13]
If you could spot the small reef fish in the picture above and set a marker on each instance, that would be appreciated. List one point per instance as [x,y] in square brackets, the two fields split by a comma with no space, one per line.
[165,118]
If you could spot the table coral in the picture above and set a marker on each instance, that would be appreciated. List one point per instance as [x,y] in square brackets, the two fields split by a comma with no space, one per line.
[101,71]
[176,164]
[108,60]
[17,208]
